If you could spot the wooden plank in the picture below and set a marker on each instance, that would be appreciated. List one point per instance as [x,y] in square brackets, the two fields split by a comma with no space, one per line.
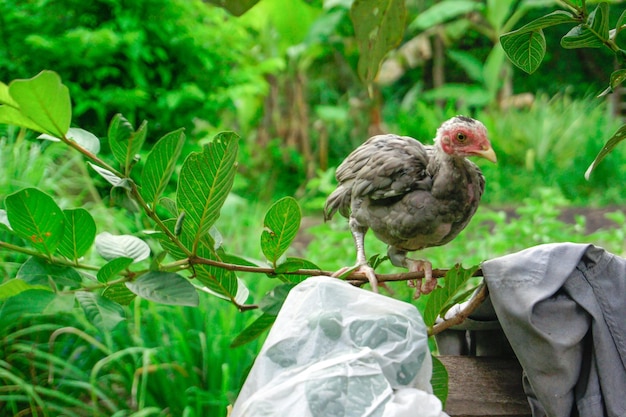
[483,386]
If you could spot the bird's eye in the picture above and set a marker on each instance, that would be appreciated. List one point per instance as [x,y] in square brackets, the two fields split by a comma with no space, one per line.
[461,137]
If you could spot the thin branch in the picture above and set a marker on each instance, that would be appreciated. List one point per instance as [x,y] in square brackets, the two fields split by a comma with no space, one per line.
[460,317]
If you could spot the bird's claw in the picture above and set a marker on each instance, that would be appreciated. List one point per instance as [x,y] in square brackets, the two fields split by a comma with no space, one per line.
[365,269]
[422,285]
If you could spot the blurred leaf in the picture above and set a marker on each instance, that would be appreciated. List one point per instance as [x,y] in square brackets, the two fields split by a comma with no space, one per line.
[16,286]
[236,7]
[619,26]
[619,136]
[455,279]
[24,303]
[112,268]
[281,225]
[125,143]
[442,12]
[273,300]
[469,62]
[35,217]
[111,246]
[591,34]
[103,313]
[498,11]
[165,288]
[439,381]
[160,165]
[44,100]
[254,330]
[119,293]
[378,28]
[79,233]
[36,271]
[526,46]
[205,181]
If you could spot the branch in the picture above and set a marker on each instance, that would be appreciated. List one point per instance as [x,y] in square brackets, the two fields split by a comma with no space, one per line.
[460,317]
[355,278]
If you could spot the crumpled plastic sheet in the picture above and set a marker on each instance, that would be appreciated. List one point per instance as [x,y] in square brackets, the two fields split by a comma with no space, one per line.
[340,351]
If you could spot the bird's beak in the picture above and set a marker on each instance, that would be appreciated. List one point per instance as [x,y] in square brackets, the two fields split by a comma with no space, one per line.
[487,153]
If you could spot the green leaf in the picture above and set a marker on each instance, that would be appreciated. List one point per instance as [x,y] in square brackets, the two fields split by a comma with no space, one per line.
[25,303]
[293,264]
[617,78]
[219,281]
[281,225]
[100,311]
[272,302]
[112,268]
[36,271]
[526,46]
[160,165]
[111,177]
[235,7]
[378,28]
[44,100]
[85,139]
[591,34]
[165,288]
[526,50]
[79,233]
[12,116]
[5,97]
[205,181]
[443,12]
[35,217]
[254,330]
[116,246]
[617,137]
[119,293]
[439,381]
[455,279]
[125,143]
[13,287]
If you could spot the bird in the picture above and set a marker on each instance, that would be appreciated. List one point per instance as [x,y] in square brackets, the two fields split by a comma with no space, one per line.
[412,196]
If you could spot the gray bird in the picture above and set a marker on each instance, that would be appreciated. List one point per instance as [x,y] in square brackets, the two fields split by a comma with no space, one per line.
[412,196]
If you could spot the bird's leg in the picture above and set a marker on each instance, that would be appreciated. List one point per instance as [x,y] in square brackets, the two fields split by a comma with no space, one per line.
[358,233]
[398,258]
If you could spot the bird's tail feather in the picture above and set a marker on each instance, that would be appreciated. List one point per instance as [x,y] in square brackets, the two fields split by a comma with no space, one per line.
[338,200]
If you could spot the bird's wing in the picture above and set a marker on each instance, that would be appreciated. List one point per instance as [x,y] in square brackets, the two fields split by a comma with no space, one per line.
[387,166]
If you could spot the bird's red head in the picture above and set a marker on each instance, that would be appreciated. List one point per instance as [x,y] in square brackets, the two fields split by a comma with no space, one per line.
[464,136]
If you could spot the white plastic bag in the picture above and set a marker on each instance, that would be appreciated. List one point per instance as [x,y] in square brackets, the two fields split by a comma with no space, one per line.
[340,351]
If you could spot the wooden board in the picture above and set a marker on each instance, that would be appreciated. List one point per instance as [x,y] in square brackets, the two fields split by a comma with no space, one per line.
[483,386]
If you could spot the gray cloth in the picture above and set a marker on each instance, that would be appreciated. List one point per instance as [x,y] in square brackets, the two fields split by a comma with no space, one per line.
[563,309]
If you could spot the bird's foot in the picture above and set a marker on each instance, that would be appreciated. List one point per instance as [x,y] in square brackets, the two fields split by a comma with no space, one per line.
[429,283]
[365,269]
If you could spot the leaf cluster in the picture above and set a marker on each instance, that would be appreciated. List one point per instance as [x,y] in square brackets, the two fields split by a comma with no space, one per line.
[526,47]
[193,257]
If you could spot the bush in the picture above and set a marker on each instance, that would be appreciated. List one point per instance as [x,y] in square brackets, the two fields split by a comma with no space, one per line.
[175,61]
